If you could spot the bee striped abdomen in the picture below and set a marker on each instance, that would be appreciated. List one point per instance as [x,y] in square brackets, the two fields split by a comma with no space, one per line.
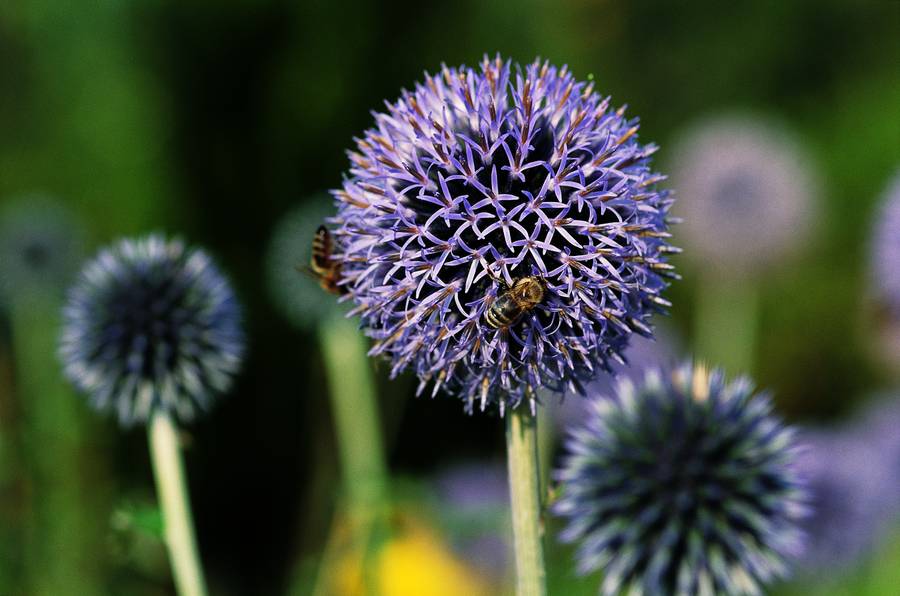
[525,294]
[325,268]
[502,313]
[320,260]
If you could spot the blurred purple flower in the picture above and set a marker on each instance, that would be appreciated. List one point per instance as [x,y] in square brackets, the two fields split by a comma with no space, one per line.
[476,497]
[499,173]
[886,248]
[748,192]
[474,485]
[854,479]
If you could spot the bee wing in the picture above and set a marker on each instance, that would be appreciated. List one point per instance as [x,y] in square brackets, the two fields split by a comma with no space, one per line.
[307,270]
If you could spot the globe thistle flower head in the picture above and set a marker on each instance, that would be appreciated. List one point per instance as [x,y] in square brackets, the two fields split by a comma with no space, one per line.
[295,293]
[149,326]
[886,249]
[41,243]
[480,178]
[682,484]
[747,193]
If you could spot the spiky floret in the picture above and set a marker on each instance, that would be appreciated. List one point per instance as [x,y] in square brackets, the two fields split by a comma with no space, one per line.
[151,325]
[683,484]
[498,173]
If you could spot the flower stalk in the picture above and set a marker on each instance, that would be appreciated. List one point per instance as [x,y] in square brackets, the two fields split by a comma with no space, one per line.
[355,414]
[358,434]
[178,524]
[524,486]
[727,313]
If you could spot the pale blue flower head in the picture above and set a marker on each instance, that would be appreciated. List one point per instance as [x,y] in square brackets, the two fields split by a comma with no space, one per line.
[151,326]
[682,484]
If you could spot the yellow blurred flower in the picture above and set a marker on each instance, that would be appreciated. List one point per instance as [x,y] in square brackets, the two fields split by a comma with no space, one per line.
[415,561]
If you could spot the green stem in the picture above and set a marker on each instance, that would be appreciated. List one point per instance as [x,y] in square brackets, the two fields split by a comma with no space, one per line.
[524,487]
[355,412]
[546,438]
[178,523]
[726,323]
[357,428]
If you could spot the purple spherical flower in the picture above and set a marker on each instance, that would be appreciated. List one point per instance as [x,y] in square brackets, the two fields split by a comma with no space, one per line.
[476,179]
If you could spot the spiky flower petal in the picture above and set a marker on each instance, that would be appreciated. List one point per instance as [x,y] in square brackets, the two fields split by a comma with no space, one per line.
[151,325]
[500,173]
[683,484]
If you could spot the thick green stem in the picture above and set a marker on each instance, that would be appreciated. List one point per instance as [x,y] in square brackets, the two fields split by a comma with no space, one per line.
[358,431]
[355,413]
[524,487]
[178,523]
[726,323]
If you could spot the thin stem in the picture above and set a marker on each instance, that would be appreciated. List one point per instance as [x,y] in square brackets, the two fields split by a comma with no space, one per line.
[726,323]
[524,487]
[176,507]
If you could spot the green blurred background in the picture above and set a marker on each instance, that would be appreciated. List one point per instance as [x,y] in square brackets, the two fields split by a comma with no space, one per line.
[213,119]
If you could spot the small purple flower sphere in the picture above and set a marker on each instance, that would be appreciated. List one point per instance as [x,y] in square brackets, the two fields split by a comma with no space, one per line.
[481,177]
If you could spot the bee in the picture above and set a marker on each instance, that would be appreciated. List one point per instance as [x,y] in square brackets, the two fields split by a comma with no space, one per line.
[322,265]
[514,301]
